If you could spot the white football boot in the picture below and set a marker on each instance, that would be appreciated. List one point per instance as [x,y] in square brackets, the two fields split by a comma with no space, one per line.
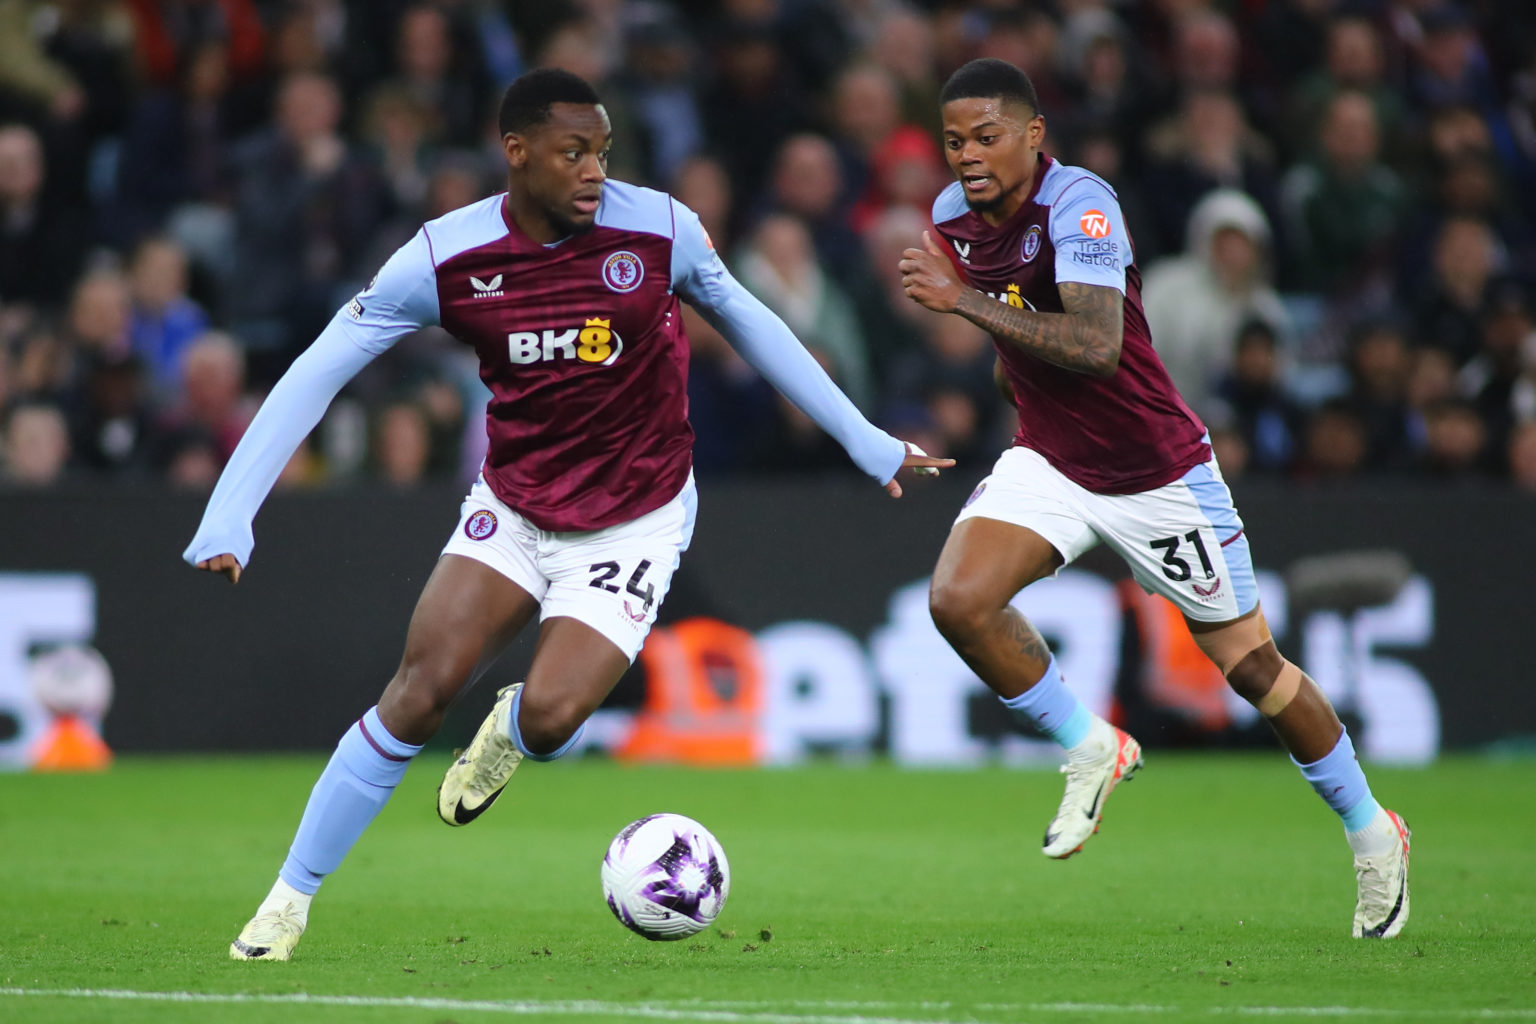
[270,935]
[477,777]
[1113,757]
[1382,907]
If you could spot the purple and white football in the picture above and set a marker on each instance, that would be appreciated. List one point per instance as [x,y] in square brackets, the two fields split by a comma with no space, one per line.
[665,877]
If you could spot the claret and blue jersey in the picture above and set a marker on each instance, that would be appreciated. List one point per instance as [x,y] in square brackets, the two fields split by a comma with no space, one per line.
[1124,434]
[580,343]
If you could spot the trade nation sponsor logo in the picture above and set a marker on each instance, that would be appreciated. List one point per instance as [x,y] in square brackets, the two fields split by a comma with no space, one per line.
[1094,224]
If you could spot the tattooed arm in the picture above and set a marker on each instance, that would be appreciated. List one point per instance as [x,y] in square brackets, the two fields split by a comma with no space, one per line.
[1086,338]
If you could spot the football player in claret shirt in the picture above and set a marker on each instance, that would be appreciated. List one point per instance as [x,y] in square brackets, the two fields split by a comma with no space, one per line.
[568,287]
[1036,253]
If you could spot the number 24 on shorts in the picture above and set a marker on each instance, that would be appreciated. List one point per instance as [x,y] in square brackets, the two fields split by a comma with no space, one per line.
[605,571]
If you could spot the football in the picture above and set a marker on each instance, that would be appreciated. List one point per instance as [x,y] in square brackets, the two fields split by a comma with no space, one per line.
[665,877]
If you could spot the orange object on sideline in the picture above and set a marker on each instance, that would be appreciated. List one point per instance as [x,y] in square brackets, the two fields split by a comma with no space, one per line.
[704,696]
[70,745]
[1175,673]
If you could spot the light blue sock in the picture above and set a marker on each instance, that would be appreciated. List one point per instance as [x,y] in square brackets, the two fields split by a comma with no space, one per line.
[1340,781]
[367,766]
[1053,709]
[517,736]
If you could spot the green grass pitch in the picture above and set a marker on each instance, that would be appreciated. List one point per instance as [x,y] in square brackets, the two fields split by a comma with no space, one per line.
[1219,889]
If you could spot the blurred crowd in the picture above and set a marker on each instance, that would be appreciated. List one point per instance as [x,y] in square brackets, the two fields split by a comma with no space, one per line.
[1333,204]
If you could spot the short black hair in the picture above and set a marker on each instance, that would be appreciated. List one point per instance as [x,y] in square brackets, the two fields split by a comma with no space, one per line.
[527,100]
[990,78]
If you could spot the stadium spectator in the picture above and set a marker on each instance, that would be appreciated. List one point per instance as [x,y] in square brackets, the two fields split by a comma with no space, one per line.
[100,321]
[1356,61]
[191,460]
[440,76]
[947,383]
[1344,209]
[903,45]
[908,172]
[753,104]
[306,207]
[1455,442]
[402,444]
[212,399]
[1521,456]
[1450,65]
[1209,145]
[164,320]
[166,31]
[659,89]
[807,183]
[36,445]
[866,109]
[1465,259]
[779,265]
[177,155]
[702,185]
[396,131]
[1252,402]
[1195,303]
[1335,445]
[1490,380]
[1379,365]
[42,240]
[113,421]
[1107,90]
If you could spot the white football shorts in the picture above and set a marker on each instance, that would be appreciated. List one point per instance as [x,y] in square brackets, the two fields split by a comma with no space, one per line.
[613,579]
[1183,540]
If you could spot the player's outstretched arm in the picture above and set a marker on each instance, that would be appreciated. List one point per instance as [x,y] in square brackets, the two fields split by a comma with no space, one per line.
[1085,338]
[401,298]
[224,539]
[766,342]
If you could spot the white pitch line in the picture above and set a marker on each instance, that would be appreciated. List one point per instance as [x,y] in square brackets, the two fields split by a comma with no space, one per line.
[719,1011]
[648,1011]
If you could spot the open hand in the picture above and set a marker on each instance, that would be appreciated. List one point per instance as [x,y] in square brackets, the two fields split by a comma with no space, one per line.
[224,564]
[921,463]
[929,278]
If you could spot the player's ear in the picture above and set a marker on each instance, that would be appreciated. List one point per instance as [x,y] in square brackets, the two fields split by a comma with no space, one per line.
[513,145]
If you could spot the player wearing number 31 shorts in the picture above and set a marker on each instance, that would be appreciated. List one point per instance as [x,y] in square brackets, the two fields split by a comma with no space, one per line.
[1037,253]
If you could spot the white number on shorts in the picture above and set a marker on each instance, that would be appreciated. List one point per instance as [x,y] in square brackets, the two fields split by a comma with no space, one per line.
[1177,569]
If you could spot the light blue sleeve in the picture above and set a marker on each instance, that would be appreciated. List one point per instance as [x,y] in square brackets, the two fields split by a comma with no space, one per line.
[1088,230]
[765,341]
[393,305]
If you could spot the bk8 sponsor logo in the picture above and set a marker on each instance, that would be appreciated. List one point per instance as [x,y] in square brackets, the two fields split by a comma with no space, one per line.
[594,342]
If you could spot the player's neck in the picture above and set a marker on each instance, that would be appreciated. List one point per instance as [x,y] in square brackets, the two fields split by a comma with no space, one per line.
[531,219]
